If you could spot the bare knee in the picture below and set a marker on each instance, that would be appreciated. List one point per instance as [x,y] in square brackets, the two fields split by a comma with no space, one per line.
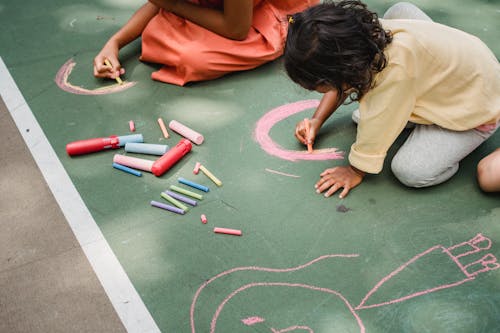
[488,172]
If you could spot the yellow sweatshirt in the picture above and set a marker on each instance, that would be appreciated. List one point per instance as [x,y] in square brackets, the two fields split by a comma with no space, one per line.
[435,74]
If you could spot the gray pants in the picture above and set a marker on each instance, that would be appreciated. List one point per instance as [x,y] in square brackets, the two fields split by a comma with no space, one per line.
[431,154]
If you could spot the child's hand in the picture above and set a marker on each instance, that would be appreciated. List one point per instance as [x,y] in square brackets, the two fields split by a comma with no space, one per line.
[346,177]
[110,53]
[301,132]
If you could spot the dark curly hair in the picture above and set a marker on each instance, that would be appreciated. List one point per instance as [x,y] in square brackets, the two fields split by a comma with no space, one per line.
[337,44]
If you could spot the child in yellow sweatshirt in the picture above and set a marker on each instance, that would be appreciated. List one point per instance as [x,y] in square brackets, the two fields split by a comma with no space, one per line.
[402,69]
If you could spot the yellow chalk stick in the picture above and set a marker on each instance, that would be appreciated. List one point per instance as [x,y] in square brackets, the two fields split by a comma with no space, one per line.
[118,80]
[210,175]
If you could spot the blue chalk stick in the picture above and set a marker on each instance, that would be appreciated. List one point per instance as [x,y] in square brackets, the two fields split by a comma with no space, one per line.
[127,169]
[122,140]
[146,148]
[193,184]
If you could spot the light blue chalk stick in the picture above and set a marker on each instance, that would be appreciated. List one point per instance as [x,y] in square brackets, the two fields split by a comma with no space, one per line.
[127,169]
[193,184]
[146,148]
[122,140]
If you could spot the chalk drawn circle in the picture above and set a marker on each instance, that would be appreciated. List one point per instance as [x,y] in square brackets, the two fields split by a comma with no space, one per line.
[62,82]
[266,123]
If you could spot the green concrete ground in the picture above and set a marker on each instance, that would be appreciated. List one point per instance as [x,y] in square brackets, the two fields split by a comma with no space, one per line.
[168,258]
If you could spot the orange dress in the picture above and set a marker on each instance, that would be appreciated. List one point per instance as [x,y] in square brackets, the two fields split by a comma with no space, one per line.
[192,53]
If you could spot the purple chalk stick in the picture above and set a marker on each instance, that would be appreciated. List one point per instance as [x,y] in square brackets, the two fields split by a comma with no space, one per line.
[181,198]
[167,207]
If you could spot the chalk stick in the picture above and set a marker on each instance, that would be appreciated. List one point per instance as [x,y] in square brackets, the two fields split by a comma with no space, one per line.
[227,231]
[210,175]
[203,219]
[196,168]
[174,201]
[167,207]
[131,125]
[186,132]
[182,198]
[193,184]
[146,148]
[163,128]
[123,140]
[118,80]
[133,162]
[186,192]
[308,129]
[127,169]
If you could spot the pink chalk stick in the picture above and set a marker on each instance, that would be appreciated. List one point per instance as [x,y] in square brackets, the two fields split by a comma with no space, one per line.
[133,162]
[163,128]
[227,231]
[131,125]
[196,169]
[203,219]
[186,132]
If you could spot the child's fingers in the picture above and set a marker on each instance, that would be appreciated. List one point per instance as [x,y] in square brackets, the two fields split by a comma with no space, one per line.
[328,171]
[100,68]
[344,193]
[334,188]
[100,72]
[310,137]
[299,133]
[324,183]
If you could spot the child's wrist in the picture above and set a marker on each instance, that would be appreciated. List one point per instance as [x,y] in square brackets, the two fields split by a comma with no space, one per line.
[360,173]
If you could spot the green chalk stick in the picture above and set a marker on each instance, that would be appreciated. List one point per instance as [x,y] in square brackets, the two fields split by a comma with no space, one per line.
[174,202]
[186,192]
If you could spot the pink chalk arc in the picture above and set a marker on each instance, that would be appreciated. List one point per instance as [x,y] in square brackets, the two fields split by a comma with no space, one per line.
[266,123]
[62,82]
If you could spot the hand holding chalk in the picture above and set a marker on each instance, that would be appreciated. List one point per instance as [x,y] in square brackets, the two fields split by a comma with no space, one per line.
[116,74]
[308,135]
[305,132]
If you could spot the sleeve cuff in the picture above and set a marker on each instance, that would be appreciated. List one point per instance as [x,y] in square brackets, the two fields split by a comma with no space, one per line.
[367,163]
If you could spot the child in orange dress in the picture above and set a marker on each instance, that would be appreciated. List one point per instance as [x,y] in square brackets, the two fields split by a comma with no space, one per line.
[200,40]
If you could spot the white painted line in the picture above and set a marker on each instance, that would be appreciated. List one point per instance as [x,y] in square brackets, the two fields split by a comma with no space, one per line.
[125,299]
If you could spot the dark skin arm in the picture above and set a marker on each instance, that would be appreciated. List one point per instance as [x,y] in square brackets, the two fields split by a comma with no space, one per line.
[233,22]
[332,179]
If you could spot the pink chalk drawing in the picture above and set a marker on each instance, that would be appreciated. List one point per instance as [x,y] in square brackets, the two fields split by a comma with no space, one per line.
[62,82]
[244,284]
[264,125]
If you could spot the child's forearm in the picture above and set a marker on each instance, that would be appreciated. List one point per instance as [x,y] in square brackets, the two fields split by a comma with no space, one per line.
[232,22]
[329,103]
[135,25]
